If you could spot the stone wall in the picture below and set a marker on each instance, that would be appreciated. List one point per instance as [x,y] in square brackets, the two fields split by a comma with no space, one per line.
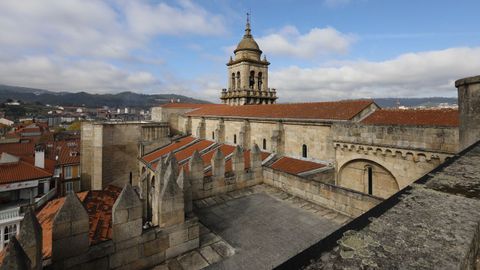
[109,151]
[317,138]
[348,202]
[469,108]
[433,139]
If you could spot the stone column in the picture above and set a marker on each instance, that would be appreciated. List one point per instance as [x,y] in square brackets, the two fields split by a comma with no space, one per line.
[469,108]
[277,139]
[220,132]
[256,161]
[244,136]
[201,129]
[70,229]
[238,163]
[218,165]
[196,167]
[30,238]
[127,215]
[171,201]
[183,182]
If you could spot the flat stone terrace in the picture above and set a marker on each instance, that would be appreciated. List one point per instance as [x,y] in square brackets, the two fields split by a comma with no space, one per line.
[264,226]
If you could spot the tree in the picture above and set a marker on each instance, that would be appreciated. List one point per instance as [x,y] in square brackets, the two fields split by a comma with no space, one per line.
[74,126]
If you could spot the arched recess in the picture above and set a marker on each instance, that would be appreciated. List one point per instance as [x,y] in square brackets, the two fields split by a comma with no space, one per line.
[365,175]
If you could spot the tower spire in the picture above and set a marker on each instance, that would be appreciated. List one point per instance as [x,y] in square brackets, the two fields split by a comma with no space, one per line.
[247,27]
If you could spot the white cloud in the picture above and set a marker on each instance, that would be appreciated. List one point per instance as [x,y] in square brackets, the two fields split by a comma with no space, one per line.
[317,42]
[58,74]
[108,29]
[162,18]
[423,74]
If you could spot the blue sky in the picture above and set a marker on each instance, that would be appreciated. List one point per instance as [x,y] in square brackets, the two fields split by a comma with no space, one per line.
[319,50]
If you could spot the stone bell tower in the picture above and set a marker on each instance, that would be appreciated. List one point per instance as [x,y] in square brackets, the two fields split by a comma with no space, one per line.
[248,74]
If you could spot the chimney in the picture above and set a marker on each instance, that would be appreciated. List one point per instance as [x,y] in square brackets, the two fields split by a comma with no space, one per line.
[39,157]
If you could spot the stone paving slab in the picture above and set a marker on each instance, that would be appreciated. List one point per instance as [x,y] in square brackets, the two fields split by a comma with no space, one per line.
[263,228]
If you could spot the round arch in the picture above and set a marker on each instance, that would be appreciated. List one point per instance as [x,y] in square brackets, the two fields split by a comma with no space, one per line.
[369,177]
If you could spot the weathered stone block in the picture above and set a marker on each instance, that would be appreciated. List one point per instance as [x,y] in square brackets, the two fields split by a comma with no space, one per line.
[156,246]
[124,257]
[64,248]
[182,248]
[178,237]
[127,230]
[193,232]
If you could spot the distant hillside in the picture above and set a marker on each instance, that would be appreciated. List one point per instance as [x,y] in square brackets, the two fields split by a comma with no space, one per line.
[414,102]
[128,99]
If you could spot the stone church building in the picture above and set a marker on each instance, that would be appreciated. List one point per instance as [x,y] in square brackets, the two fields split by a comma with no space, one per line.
[190,189]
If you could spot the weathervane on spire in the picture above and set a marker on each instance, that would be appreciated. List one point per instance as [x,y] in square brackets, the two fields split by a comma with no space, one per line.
[247,28]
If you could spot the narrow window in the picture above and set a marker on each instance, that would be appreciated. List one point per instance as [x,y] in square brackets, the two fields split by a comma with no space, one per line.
[238,80]
[235,138]
[213,135]
[152,183]
[264,145]
[130,178]
[251,79]
[233,80]
[304,151]
[259,81]
[370,180]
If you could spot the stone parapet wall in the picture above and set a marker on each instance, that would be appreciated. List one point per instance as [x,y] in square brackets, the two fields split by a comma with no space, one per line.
[151,248]
[433,139]
[348,202]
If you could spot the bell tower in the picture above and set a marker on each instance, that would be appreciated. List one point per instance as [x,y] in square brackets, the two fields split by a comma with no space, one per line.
[248,74]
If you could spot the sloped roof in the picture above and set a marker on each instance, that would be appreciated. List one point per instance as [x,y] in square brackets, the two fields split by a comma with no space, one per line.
[24,170]
[167,149]
[68,151]
[295,166]
[414,117]
[338,110]
[99,204]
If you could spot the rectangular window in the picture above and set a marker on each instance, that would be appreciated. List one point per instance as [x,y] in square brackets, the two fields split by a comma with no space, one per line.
[69,187]
[68,172]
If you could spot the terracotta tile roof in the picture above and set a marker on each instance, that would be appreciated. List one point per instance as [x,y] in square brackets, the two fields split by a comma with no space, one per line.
[18,149]
[167,149]
[99,204]
[188,152]
[339,110]
[68,151]
[295,166]
[99,207]
[24,170]
[185,105]
[45,218]
[424,117]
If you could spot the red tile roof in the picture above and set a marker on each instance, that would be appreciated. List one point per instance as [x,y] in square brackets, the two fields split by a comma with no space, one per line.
[18,149]
[167,149]
[68,151]
[99,206]
[339,110]
[414,117]
[295,166]
[188,152]
[24,170]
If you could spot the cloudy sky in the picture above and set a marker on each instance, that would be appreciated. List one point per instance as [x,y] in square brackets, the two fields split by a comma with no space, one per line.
[319,50]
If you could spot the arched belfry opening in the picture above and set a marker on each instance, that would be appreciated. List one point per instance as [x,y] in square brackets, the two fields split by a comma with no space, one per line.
[249,74]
